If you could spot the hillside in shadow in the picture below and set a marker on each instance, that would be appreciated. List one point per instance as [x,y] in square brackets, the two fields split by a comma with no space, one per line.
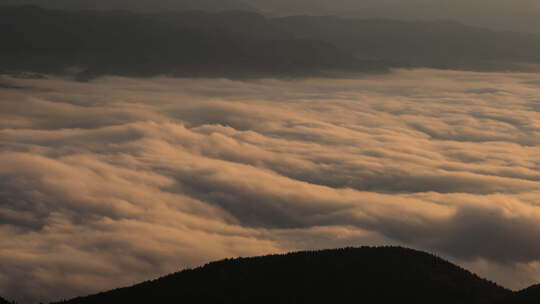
[367,275]
[529,295]
[4,301]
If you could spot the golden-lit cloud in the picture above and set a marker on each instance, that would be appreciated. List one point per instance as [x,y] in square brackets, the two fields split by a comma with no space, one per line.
[117,180]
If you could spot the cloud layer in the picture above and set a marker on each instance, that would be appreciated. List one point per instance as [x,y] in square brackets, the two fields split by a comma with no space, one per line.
[118,180]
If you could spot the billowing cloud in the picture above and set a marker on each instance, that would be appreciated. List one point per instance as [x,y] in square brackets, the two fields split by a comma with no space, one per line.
[118,180]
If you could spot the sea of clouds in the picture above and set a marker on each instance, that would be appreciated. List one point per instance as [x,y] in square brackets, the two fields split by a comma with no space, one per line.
[117,180]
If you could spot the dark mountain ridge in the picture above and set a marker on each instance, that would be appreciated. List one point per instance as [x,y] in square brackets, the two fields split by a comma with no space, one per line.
[122,43]
[367,274]
[517,15]
[135,5]
[530,295]
[242,44]
[437,44]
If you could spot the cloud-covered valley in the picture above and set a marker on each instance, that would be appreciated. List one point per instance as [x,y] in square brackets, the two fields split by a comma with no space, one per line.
[118,180]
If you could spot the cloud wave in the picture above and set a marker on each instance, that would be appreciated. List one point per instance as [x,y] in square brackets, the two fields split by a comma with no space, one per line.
[119,180]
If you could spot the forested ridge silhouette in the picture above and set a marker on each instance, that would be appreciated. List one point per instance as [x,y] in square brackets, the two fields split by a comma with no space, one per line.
[360,275]
[530,295]
[366,274]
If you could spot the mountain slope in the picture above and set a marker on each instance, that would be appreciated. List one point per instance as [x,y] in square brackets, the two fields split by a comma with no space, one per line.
[530,295]
[4,301]
[122,43]
[369,275]
[436,44]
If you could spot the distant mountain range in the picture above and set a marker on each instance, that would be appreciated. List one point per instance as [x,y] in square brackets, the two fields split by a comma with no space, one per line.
[516,15]
[136,5]
[95,43]
[236,43]
[349,275]
[435,44]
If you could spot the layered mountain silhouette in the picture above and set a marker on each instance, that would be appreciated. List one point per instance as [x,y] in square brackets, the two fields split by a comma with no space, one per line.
[518,15]
[435,44]
[91,43]
[360,275]
[95,43]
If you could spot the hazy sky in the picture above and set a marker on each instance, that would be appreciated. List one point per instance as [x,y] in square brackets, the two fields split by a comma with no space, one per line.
[119,180]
